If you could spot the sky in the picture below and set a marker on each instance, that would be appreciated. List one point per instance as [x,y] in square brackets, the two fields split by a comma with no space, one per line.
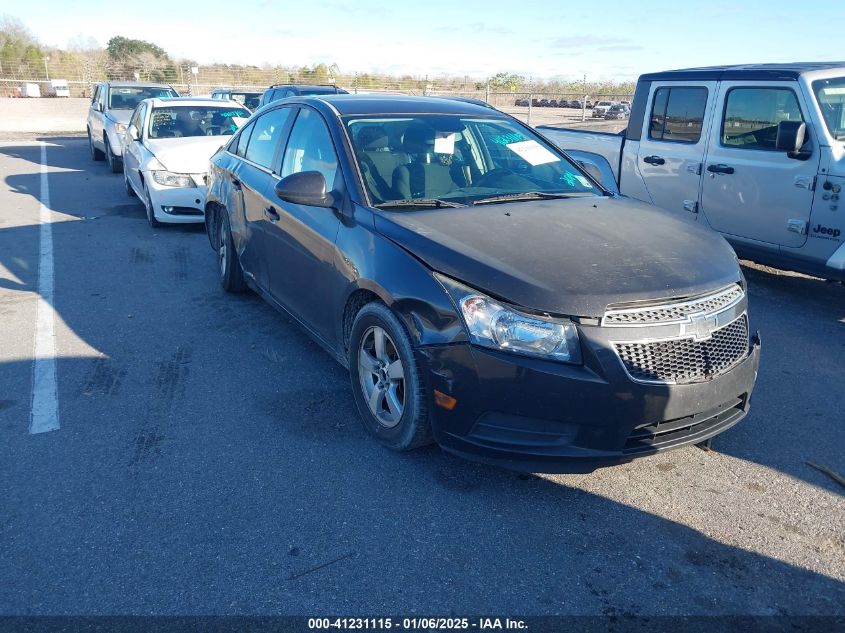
[604,39]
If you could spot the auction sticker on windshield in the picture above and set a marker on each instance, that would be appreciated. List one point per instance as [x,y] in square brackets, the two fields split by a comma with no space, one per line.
[444,143]
[532,152]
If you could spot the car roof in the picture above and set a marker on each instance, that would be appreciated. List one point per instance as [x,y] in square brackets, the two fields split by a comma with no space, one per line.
[304,86]
[135,84]
[789,71]
[352,104]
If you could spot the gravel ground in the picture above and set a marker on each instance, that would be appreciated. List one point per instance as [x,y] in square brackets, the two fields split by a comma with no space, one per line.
[210,460]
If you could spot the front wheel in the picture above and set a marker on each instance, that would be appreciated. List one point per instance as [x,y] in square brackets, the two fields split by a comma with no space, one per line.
[148,206]
[129,190]
[386,381]
[115,163]
[96,154]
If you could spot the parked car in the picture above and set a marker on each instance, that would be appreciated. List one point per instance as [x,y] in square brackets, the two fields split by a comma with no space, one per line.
[249,99]
[406,222]
[755,152]
[575,103]
[588,104]
[281,91]
[553,103]
[601,108]
[616,112]
[57,88]
[109,113]
[535,102]
[544,103]
[167,146]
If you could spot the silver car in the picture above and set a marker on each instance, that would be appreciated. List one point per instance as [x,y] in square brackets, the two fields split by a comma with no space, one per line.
[108,116]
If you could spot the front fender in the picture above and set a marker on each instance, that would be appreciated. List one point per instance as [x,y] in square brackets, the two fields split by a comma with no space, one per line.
[373,263]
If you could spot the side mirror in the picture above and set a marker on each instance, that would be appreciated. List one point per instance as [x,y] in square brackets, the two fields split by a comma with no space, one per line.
[133,133]
[307,188]
[790,139]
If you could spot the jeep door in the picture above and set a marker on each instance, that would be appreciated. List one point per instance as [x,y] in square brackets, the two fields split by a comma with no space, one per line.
[751,190]
[673,142]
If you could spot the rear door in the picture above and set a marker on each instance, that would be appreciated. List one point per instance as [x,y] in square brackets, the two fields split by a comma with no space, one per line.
[254,180]
[302,238]
[673,143]
[752,190]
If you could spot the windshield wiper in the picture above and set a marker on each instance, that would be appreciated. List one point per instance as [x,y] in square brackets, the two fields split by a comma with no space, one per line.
[528,195]
[418,202]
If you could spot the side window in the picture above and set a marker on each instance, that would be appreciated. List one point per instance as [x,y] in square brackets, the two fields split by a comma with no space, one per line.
[310,148]
[677,114]
[265,137]
[239,146]
[96,96]
[752,115]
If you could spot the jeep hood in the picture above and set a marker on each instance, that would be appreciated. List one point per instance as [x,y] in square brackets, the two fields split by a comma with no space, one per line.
[567,256]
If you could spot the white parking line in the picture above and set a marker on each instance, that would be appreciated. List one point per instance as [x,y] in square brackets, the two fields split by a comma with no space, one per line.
[45,396]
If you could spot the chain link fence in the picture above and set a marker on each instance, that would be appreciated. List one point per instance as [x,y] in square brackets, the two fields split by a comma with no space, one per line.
[549,104]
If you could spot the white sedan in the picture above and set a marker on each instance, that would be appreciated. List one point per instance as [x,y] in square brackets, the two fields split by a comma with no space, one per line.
[167,146]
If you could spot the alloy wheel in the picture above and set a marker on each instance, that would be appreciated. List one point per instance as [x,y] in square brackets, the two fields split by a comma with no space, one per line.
[382,376]
[222,253]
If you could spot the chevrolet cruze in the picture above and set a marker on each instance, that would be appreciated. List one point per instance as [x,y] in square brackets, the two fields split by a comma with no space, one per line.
[483,290]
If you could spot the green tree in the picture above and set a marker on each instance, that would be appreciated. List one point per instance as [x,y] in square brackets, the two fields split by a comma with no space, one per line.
[506,81]
[20,52]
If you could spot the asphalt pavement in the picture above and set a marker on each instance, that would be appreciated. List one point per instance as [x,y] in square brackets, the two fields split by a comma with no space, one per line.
[210,460]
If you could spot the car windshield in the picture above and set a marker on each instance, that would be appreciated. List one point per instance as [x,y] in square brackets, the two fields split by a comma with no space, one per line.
[459,159]
[249,99]
[195,120]
[830,94]
[127,97]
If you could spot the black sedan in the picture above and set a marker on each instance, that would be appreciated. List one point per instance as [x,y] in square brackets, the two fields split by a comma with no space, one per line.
[482,289]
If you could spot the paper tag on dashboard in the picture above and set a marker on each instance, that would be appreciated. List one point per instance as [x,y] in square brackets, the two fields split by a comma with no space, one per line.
[444,143]
[532,152]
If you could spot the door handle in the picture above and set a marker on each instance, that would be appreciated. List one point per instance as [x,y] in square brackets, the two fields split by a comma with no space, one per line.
[654,160]
[720,169]
[236,183]
[271,214]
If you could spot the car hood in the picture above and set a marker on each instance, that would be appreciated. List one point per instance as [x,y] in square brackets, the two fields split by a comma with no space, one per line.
[186,155]
[568,256]
[121,116]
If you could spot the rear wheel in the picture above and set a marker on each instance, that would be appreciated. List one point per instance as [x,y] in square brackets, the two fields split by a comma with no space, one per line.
[115,163]
[96,154]
[386,381]
[228,265]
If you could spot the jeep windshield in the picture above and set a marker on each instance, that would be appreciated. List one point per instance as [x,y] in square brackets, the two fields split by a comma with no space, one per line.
[830,94]
[460,160]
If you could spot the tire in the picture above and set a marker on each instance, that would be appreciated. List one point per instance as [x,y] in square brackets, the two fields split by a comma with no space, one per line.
[228,266]
[391,398]
[115,163]
[148,207]
[129,190]
[96,154]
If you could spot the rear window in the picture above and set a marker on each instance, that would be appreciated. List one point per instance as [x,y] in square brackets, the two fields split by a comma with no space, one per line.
[677,114]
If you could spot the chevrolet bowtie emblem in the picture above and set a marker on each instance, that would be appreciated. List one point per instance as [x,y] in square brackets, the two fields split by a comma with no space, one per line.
[700,327]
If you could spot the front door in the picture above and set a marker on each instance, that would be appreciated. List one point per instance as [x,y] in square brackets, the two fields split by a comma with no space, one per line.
[302,238]
[752,190]
[673,143]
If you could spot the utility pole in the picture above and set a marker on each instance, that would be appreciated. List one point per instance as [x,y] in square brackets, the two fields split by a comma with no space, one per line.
[584,101]
[47,70]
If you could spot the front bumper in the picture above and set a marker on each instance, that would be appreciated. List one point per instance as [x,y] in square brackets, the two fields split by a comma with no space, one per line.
[540,416]
[177,205]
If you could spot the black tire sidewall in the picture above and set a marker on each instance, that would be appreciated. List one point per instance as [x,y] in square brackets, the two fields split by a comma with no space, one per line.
[150,210]
[232,277]
[413,429]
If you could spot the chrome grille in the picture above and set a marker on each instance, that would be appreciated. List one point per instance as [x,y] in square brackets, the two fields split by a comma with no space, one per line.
[687,360]
[673,312]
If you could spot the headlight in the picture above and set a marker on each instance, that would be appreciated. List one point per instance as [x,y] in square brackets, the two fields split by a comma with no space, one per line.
[491,324]
[119,127]
[169,179]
